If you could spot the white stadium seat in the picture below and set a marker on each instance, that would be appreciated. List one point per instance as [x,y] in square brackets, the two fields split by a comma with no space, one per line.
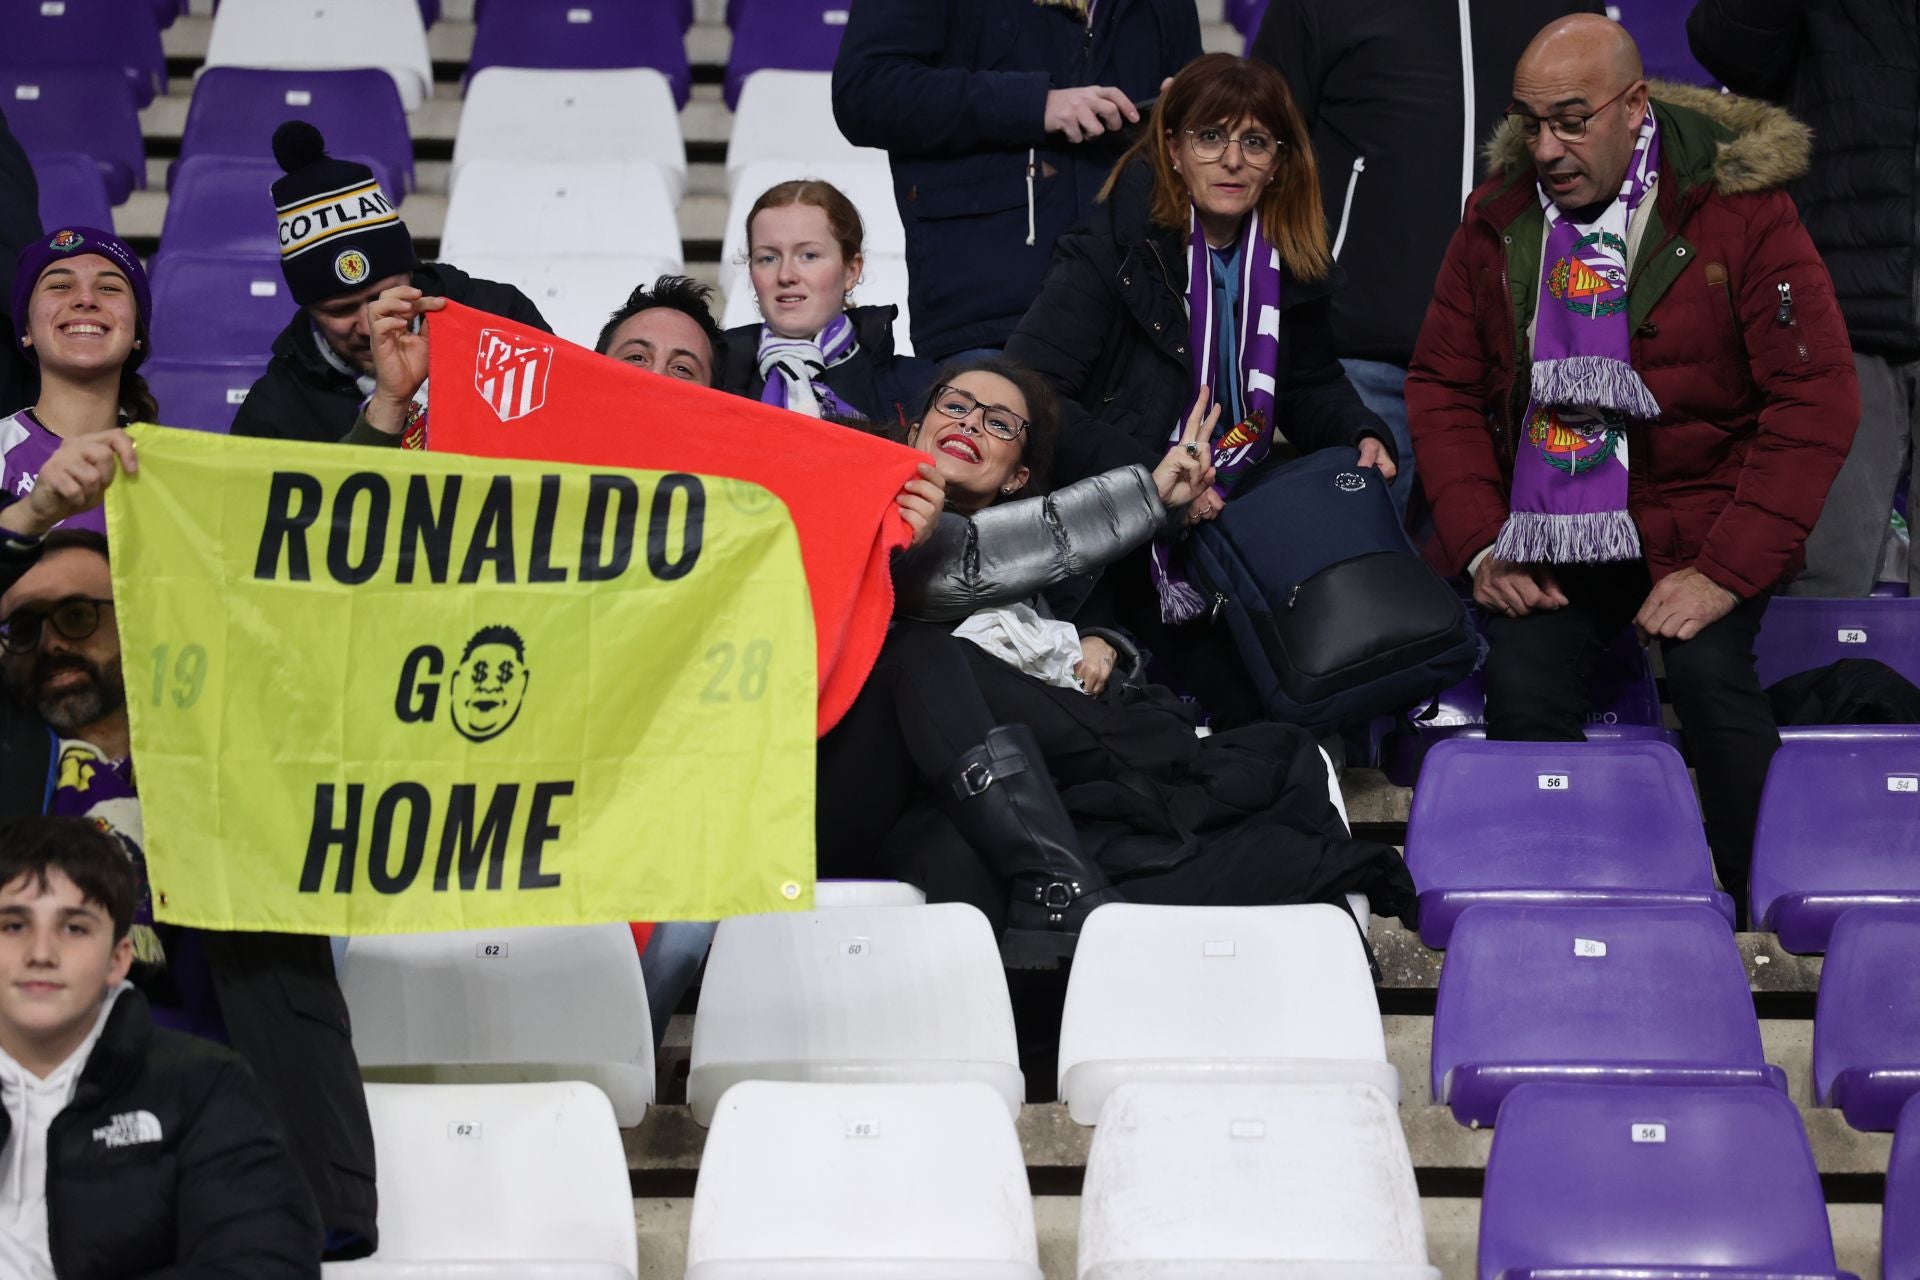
[576,294]
[523,113]
[505,1005]
[883,280]
[326,35]
[861,1182]
[875,994]
[577,210]
[1274,995]
[788,116]
[829,894]
[498,1182]
[1223,1181]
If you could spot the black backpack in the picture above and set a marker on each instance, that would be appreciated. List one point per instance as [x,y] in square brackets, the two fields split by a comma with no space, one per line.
[1334,615]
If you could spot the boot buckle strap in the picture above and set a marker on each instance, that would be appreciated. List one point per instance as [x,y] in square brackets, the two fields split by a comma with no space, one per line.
[973,780]
[1057,895]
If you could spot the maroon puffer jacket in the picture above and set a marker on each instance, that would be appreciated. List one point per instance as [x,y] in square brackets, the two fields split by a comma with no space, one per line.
[1759,399]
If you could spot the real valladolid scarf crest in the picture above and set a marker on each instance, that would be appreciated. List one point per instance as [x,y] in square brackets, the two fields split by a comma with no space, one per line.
[1569,502]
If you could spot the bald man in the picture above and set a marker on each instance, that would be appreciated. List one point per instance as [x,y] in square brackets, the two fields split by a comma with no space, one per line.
[1630,395]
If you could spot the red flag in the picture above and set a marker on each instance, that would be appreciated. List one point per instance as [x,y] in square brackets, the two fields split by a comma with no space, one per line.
[503,391]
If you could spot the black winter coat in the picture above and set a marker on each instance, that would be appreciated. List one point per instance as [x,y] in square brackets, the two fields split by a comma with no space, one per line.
[955,91]
[302,397]
[889,388]
[1240,818]
[1109,331]
[1851,70]
[168,1163]
[278,996]
[1396,167]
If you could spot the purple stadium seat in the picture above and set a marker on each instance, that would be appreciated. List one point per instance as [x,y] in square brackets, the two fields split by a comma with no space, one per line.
[72,192]
[1866,1035]
[1628,995]
[783,35]
[222,203]
[1899,1224]
[236,109]
[1599,823]
[84,109]
[1652,1182]
[1659,27]
[118,34]
[165,11]
[1839,827]
[584,35]
[1799,634]
[1622,690]
[218,306]
[203,396]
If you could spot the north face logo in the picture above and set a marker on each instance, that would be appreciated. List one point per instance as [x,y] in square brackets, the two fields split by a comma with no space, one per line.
[130,1128]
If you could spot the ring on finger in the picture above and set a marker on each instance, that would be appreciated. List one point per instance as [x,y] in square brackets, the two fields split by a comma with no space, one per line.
[1193,450]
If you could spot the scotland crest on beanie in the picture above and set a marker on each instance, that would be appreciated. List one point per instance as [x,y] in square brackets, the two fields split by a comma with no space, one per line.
[338,229]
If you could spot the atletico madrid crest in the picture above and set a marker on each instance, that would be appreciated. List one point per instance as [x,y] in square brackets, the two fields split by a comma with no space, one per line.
[510,373]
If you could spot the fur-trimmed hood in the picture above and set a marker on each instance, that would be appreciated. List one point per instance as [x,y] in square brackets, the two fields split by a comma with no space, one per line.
[1768,149]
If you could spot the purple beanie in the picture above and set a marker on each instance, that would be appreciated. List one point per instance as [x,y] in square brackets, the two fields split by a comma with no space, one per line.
[72,242]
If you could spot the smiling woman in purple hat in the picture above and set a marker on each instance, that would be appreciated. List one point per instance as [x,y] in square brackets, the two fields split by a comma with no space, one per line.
[82,307]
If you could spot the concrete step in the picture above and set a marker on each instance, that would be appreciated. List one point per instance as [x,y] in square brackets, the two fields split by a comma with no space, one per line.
[705,125]
[1452,1222]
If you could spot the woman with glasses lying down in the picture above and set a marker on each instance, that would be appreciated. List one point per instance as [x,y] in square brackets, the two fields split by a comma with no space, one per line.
[1001,756]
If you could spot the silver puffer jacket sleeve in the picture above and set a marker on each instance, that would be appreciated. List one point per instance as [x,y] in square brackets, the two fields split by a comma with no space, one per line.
[1012,551]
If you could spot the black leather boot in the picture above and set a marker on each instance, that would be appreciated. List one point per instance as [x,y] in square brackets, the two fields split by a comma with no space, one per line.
[1004,803]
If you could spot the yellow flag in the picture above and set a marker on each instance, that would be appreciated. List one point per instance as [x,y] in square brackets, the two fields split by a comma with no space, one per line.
[381,691]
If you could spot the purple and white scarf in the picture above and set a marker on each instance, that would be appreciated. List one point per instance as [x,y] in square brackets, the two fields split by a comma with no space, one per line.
[793,368]
[1239,448]
[1569,503]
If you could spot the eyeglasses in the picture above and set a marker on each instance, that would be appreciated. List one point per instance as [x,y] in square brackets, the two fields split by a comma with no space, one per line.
[997,418]
[1257,149]
[74,618]
[1566,127]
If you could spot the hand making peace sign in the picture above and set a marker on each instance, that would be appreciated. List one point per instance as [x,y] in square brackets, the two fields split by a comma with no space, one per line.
[1187,470]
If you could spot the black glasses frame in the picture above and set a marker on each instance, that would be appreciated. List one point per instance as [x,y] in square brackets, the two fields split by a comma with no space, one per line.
[20,631]
[974,402]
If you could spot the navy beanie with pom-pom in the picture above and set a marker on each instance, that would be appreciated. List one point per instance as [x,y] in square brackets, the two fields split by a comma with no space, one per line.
[338,230]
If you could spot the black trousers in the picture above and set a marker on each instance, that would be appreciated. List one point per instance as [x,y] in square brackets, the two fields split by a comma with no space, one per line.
[1536,678]
[919,710]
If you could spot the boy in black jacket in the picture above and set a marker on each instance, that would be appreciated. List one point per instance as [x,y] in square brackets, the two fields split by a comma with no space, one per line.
[126,1151]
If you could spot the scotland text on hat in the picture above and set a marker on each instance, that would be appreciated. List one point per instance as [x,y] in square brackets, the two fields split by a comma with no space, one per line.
[314,220]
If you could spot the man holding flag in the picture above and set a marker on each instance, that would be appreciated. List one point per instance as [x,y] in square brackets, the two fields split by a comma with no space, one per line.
[1631,393]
